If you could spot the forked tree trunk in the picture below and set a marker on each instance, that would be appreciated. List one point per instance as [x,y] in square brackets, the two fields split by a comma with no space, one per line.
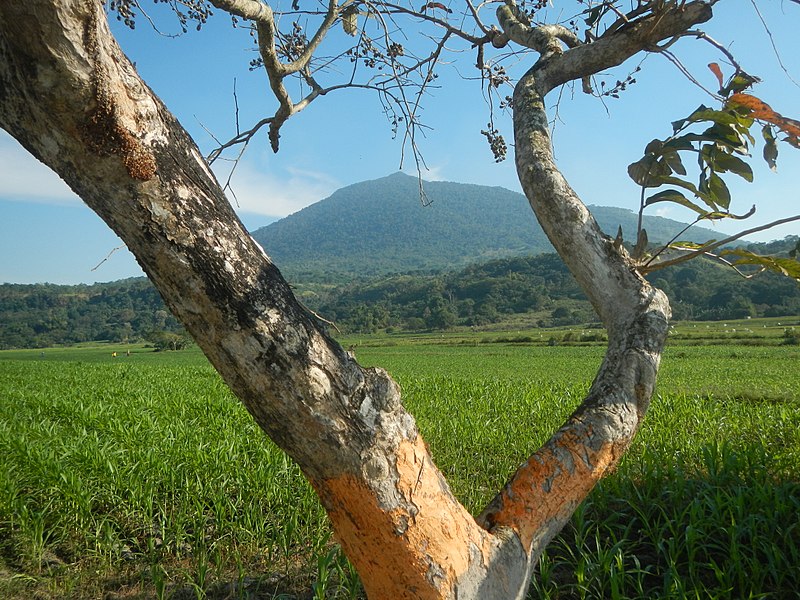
[71,97]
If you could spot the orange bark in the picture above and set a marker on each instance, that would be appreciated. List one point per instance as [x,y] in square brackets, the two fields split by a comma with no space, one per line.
[547,487]
[415,552]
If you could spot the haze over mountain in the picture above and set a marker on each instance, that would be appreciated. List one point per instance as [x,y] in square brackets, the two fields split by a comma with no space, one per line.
[381,226]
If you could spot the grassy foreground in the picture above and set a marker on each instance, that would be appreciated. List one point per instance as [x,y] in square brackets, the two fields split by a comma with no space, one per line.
[141,476]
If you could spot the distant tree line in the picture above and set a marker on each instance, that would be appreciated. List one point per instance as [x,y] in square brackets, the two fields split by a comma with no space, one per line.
[537,290]
[41,315]
[542,288]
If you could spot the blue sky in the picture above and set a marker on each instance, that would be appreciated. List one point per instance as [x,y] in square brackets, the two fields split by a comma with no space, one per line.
[48,235]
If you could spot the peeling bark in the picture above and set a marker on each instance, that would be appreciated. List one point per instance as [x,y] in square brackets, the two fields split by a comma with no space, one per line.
[72,98]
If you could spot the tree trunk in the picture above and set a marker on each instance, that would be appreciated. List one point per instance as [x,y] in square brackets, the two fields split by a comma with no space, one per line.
[71,97]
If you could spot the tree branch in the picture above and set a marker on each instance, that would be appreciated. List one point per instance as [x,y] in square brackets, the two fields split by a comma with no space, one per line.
[301,62]
[252,10]
[716,244]
[545,39]
[614,49]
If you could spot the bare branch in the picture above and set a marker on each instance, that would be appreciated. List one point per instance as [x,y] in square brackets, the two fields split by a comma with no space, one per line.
[252,10]
[398,9]
[702,35]
[241,138]
[772,41]
[153,25]
[686,73]
[97,266]
[302,61]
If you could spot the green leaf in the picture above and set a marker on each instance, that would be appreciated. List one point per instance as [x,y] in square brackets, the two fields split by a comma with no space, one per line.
[770,147]
[676,197]
[681,123]
[726,135]
[654,147]
[716,215]
[690,245]
[673,160]
[790,267]
[724,162]
[720,117]
[739,82]
[647,171]
[719,191]
[640,170]
[682,142]
[680,183]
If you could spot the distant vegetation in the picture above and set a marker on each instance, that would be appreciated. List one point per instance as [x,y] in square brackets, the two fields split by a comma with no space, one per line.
[372,258]
[41,315]
[538,291]
[522,291]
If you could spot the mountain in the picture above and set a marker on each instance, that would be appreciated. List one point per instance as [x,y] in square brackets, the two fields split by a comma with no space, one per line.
[381,226]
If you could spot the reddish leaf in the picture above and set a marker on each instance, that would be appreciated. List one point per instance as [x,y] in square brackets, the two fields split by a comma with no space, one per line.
[758,109]
[716,71]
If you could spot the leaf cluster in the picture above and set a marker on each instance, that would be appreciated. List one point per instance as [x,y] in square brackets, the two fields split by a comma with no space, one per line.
[195,12]
[718,149]
[719,141]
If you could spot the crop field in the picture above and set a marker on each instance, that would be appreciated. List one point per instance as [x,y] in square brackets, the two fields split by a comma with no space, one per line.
[140,476]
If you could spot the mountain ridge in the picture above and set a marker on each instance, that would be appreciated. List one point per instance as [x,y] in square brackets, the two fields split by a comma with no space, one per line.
[380,226]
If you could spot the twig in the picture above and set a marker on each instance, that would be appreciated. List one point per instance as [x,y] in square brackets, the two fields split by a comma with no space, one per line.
[97,266]
[772,41]
[714,245]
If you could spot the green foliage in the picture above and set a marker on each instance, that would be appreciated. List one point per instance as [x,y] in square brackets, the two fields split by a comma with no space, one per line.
[727,134]
[721,146]
[166,340]
[538,290]
[788,267]
[791,336]
[112,464]
[42,315]
[542,290]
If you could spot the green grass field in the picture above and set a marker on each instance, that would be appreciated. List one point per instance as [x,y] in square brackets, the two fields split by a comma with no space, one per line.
[140,476]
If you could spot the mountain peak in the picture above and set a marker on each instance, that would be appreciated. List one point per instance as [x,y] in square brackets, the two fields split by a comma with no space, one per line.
[399,175]
[380,226]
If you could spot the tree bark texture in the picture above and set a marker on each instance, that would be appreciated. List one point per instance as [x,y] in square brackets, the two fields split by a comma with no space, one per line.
[72,98]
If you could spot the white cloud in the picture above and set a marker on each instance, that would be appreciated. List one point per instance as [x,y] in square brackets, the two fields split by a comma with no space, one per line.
[23,178]
[263,192]
[663,211]
[435,173]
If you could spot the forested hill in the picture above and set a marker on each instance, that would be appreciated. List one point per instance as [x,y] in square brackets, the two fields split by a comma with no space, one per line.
[381,226]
